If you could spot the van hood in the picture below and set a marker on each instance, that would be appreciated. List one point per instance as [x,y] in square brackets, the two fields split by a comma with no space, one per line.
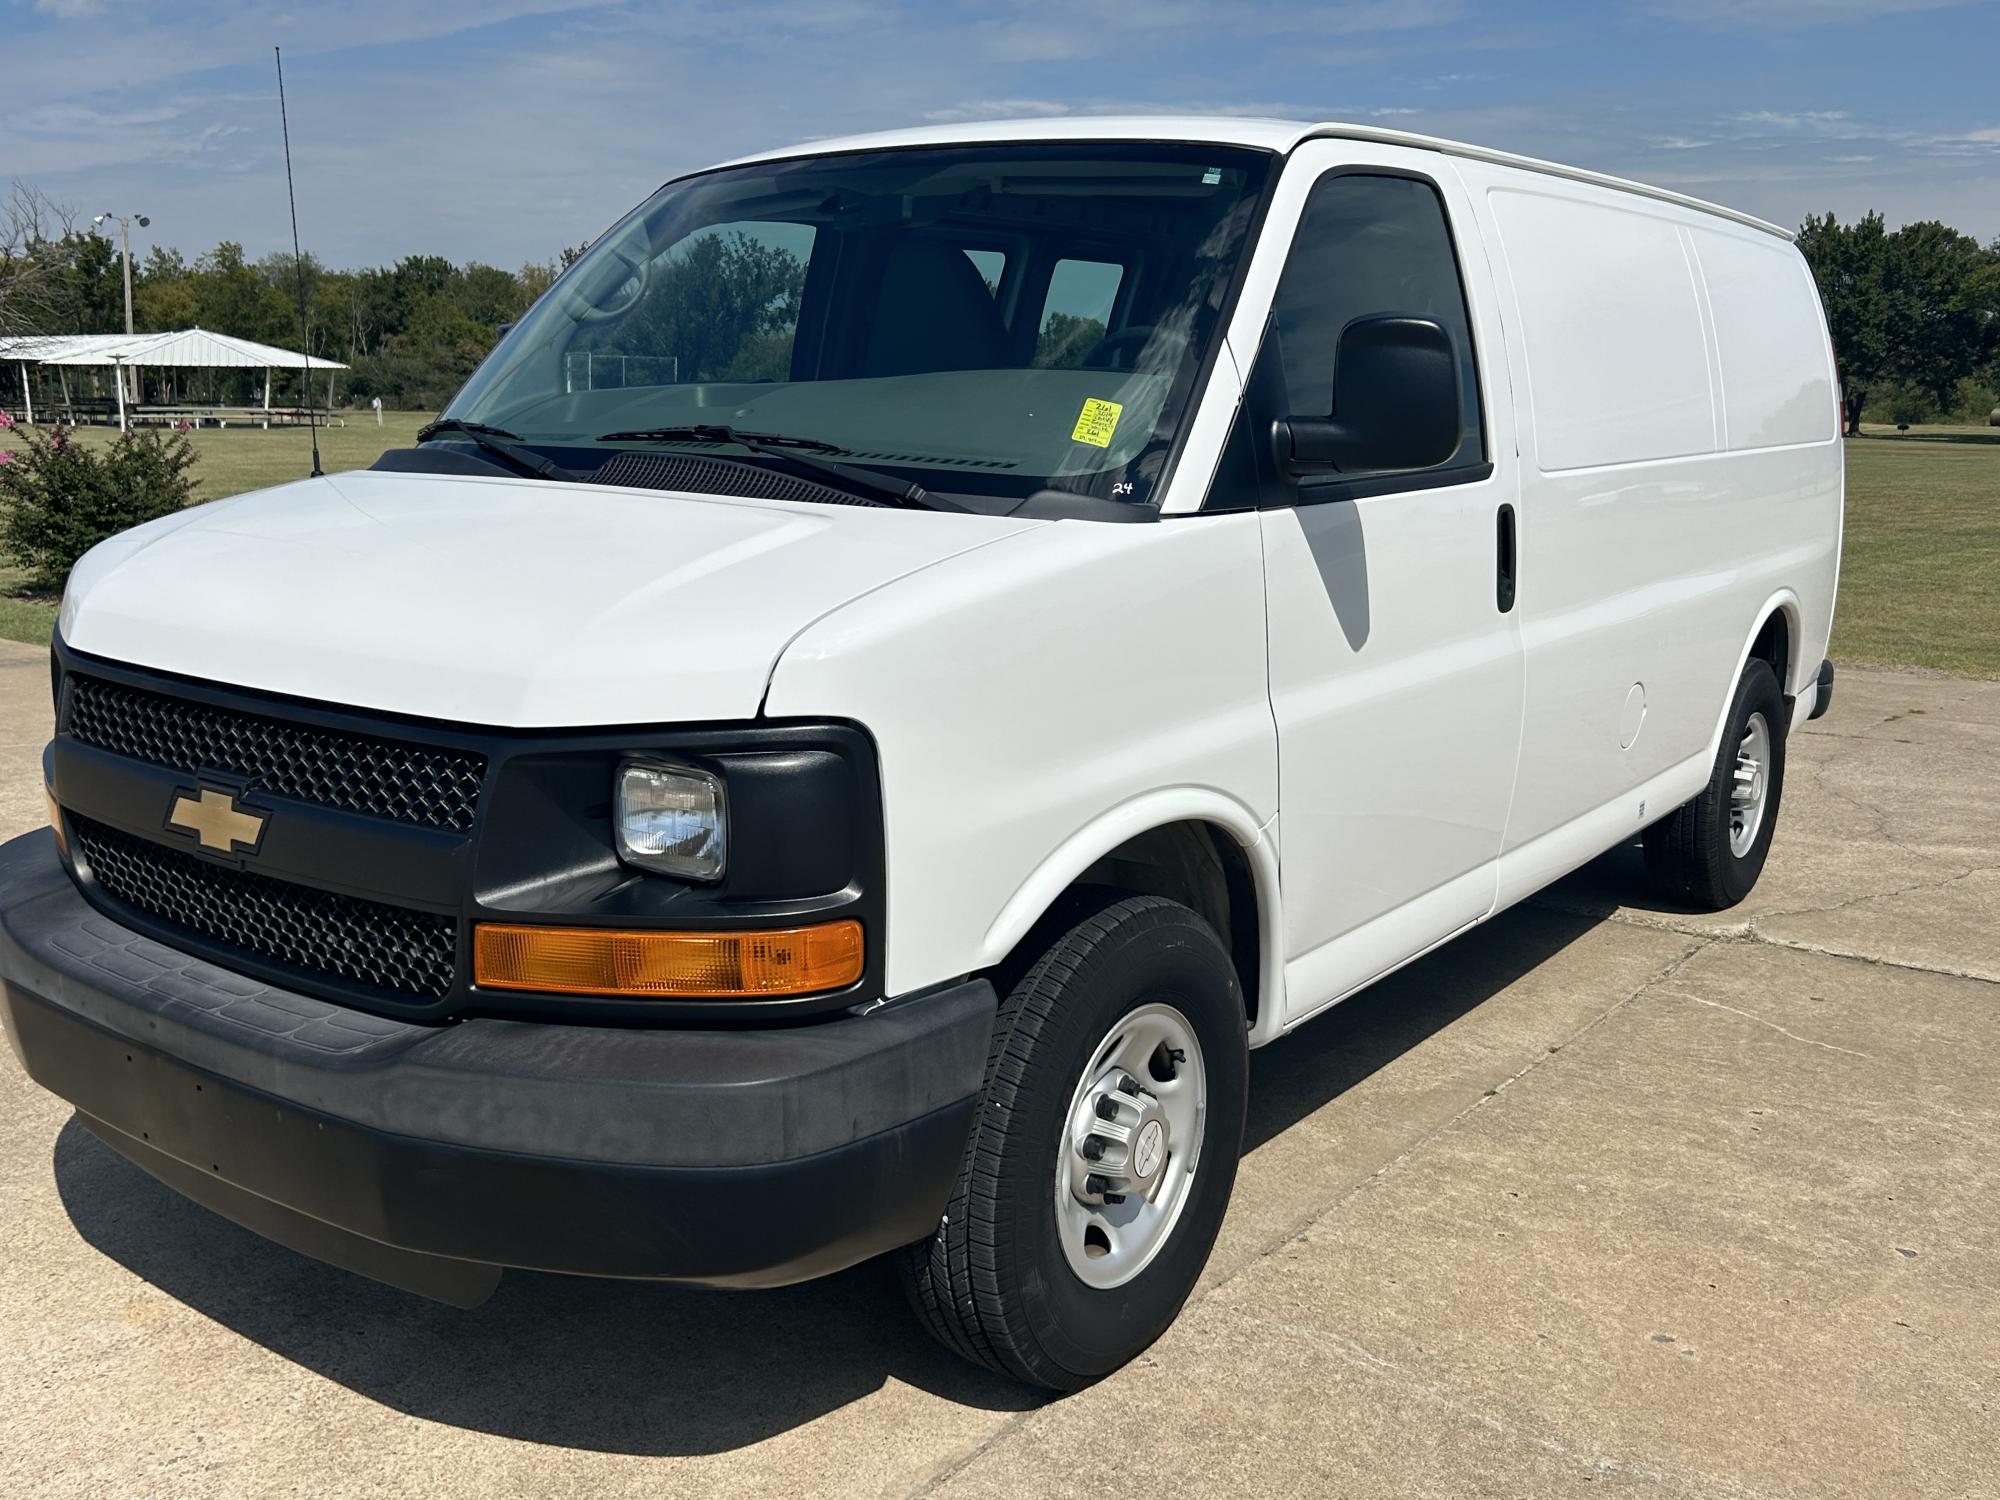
[493,601]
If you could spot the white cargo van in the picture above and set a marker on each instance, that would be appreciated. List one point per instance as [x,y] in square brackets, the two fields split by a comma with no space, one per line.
[914,657]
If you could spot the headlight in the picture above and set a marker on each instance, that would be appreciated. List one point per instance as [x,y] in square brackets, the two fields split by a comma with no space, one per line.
[671,819]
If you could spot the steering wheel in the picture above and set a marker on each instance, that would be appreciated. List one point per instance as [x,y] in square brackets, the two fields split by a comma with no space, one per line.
[1118,351]
[641,269]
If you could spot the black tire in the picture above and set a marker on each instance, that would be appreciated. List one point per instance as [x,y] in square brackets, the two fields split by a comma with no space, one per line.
[1688,853]
[992,1282]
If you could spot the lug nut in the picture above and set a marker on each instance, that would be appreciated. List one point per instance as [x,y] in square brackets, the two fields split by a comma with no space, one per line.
[1097,1185]
[1093,1148]
[1107,1107]
[1128,1086]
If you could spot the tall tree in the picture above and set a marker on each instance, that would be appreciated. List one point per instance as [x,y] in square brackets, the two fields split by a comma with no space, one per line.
[1848,262]
[1935,326]
[36,294]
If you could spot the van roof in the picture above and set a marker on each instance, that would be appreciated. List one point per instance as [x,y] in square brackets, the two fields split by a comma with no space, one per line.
[1270,135]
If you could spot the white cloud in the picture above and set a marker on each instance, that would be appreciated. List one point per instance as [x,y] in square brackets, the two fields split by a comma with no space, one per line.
[998,109]
[503,129]
[1963,143]
[1810,119]
[1786,14]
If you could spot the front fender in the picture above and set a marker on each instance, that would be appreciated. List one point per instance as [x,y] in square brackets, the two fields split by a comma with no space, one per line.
[1035,703]
[1160,808]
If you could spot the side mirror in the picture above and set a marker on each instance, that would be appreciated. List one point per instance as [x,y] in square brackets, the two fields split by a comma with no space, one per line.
[1395,403]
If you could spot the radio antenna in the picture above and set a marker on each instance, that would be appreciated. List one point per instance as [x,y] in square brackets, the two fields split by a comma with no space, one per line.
[298,266]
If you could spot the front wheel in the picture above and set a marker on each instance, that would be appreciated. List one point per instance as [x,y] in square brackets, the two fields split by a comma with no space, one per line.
[1103,1155]
[1709,853]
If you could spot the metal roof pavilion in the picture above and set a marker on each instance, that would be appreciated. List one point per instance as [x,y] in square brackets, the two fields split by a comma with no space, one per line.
[190,348]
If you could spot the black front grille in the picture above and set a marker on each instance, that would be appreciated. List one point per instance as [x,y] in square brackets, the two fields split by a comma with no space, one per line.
[389,947]
[426,785]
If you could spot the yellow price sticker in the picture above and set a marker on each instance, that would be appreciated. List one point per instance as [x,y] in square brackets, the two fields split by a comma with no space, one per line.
[1096,422]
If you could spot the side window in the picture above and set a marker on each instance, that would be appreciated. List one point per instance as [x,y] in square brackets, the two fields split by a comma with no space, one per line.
[1368,245]
[991,266]
[1077,312]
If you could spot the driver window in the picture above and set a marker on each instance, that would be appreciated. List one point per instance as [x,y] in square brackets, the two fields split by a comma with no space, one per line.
[1077,312]
[1367,245]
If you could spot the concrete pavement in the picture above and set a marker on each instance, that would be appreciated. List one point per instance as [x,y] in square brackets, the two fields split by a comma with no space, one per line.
[1598,1195]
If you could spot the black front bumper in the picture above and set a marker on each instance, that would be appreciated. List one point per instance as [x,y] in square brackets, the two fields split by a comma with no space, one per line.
[429,1157]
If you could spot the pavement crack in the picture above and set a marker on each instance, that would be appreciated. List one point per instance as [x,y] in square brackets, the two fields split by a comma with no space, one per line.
[1302,1225]
[1752,927]
[1411,1382]
[1750,1015]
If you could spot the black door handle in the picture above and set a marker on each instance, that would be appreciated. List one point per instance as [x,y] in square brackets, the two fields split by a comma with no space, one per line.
[1503,584]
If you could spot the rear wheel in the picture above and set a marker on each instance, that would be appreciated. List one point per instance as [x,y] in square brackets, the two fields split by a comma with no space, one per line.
[1104,1152]
[1709,853]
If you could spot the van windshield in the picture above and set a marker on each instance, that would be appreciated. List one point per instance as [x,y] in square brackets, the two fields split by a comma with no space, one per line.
[992,320]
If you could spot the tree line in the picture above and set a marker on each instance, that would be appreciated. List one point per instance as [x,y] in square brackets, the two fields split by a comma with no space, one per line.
[411,332]
[1915,316]
[1915,311]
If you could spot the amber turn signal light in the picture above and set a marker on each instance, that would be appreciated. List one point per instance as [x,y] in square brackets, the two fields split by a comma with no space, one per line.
[644,965]
[55,816]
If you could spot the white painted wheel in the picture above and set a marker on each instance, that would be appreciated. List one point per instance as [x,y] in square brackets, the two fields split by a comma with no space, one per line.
[1131,1145]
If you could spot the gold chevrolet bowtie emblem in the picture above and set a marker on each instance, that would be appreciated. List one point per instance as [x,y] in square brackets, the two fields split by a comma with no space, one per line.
[217,821]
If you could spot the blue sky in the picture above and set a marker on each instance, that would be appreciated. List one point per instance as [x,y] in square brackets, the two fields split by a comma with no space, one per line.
[504,129]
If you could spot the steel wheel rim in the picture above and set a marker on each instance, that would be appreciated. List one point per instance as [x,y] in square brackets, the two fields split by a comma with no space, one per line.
[1750,785]
[1148,1146]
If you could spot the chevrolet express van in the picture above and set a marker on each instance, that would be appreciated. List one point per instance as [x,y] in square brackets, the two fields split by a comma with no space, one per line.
[914,657]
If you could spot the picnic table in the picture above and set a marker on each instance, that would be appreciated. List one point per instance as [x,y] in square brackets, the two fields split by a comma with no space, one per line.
[222,416]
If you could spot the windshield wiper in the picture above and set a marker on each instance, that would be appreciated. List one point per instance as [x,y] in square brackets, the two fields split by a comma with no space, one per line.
[802,451]
[717,433]
[499,442]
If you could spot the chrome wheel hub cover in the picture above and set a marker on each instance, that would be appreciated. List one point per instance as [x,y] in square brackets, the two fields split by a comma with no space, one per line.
[1750,785]
[1131,1142]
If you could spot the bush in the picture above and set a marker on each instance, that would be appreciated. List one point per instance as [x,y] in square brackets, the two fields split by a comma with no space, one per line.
[1907,404]
[1975,400]
[58,498]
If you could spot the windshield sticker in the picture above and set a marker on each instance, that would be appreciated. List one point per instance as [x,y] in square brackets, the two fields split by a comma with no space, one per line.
[1096,422]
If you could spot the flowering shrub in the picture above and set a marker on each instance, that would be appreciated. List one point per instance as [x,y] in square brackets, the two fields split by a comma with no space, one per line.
[58,498]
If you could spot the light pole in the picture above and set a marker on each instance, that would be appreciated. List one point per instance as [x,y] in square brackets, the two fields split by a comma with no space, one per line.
[125,222]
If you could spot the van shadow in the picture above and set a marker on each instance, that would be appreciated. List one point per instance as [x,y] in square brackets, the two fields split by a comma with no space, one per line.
[636,1368]
[1302,1072]
[609,1366]
[1987,439]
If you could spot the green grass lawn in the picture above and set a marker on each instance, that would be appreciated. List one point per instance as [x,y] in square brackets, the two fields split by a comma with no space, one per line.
[1920,571]
[1920,568]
